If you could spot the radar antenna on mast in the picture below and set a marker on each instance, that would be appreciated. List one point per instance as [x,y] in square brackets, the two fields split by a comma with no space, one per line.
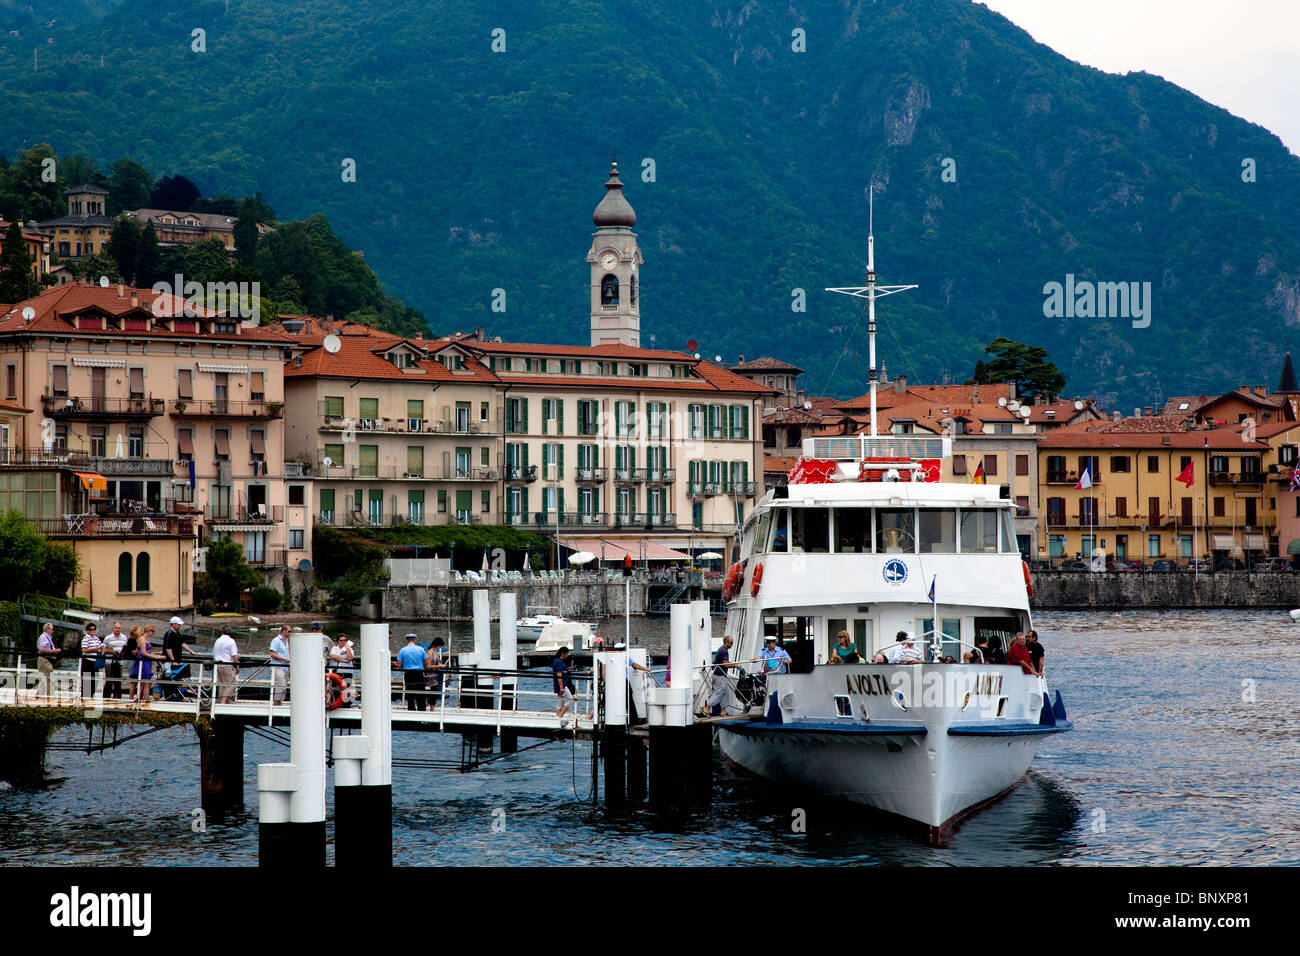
[871,291]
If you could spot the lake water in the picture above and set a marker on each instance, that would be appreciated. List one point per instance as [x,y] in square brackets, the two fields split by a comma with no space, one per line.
[1186,750]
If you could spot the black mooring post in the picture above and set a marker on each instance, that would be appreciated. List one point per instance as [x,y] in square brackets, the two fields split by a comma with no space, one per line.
[636,769]
[615,766]
[221,766]
[291,846]
[667,767]
[363,826]
[700,759]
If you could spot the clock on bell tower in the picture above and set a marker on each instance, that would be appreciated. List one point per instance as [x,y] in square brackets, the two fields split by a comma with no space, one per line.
[615,262]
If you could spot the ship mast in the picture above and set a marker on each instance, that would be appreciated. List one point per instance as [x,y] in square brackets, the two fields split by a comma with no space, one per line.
[871,291]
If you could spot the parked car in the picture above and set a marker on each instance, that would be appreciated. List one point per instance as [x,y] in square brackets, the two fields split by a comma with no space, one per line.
[1197,564]
[1120,564]
[1164,564]
[1229,564]
[1040,565]
[1075,566]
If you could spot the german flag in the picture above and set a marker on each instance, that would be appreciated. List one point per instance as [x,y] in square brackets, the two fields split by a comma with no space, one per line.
[978,477]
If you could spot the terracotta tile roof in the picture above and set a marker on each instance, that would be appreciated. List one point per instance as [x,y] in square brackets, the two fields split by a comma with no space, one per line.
[776,463]
[27,233]
[766,364]
[360,355]
[886,395]
[579,351]
[7,406]
[56,305]
[1173,406]
[792,416]
[1061,411]
[1227,438]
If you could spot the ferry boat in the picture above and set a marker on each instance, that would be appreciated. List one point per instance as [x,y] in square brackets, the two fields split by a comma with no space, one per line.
[866,538]
[548,632]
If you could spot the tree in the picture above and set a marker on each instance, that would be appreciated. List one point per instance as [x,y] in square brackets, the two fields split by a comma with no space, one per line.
[61,570]
[16,280]
[123,246]
[148,259]
[22,555]
[91,267]
[39,196]
[174,192]
[246,235]
[228,574]
[1025,365]
[205,260]
[128,186]
[78,169]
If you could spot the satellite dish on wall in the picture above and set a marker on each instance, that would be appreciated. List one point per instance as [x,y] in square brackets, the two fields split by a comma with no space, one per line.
[717,358]
[29,313]
[327,462]
[1024,412]
[1002,402]
[333,343]
[697,354]
[304,565]
[807,406]
[1078,406]
[103,282]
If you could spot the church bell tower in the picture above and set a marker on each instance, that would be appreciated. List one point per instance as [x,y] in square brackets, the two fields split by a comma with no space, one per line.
[615,261]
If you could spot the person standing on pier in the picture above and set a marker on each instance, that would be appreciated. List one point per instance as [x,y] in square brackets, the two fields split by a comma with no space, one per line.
[47,653]
[173,647]
[279,654]
[114,644]
[92,659]
[142,669]
[226,655]
[721,695]
[411,660]
[562,682]
[435,662]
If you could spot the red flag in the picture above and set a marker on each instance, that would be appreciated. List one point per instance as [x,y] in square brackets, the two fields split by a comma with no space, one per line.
[1187,477]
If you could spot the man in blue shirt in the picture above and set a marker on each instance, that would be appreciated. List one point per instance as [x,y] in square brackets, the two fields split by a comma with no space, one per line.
[562,682]
[280,664]
[411,660]
[772,659]
[721,687]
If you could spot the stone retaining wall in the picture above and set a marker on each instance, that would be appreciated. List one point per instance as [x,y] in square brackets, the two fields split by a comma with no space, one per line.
[1118,590]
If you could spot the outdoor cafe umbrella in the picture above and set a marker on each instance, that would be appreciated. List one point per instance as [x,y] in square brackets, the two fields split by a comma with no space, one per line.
[709,556]
[581,557]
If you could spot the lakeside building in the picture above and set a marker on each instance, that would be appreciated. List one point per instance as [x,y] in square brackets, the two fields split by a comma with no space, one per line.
[148,435]
[86,227]
[38,248]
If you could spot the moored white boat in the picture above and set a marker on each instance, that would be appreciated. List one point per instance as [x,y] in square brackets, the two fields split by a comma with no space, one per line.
[866,539]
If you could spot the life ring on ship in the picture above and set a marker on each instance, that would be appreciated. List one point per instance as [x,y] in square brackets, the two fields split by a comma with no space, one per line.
[730,582]
[335,691]
[1029,585]
[756,581]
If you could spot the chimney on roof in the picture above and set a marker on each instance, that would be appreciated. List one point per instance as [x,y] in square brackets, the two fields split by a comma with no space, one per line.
[740,360]
[975,394]
[135,299]
[1146,410]
[1040,399]
[419,336]
[1114,416]
[480,334]
[121,291]
[900,385]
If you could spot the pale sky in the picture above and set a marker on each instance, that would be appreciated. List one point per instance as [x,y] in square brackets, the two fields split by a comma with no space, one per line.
[1242,55]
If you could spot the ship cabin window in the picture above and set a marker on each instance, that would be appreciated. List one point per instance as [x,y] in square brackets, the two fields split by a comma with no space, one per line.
[895,531]
[810,530]
[757,538]
[937,531]
[795,634]
[979,531]
[780,530]
[853,530]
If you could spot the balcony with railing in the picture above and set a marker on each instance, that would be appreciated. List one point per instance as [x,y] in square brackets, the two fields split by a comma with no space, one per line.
[1237,477]
[520,473]
[224,408]
[116,525]
[1063,478]
[67,407]
[644,520]
[15,457]
[630,476]
[661,475]
[590,475]
[296,469]
[744,487]
[268,558]
[215,515]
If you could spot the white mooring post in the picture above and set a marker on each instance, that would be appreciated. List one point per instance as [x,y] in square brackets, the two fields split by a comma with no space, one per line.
[701,641]
[509,654]
[671,706]
[363,764]
[291,796]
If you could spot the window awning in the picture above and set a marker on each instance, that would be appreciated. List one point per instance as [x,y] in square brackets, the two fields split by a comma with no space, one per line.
[99,363]
[185,442]
[258,441]
[1254,542]
[91,481]
[223,442]
[1294,546]
[223,367]
[1221,542]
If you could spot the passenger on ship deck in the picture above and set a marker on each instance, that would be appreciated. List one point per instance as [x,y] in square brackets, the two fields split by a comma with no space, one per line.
[1019,654]
[721,688]
[1035,648]
[844,652]
[904,651]
[994,654]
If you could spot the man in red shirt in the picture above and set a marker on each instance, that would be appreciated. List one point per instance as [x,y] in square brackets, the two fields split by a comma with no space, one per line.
[1019,654]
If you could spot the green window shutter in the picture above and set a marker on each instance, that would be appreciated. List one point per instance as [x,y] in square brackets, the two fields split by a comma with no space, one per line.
[744,421]
[559,474]
[524,504]
[524,466]
[510,416]
[334,453]
[369,408]
[464,501]
[545,420]
[442,499]
[744,472]
[524,405]
[631,456]
[334,405]
[376,494]
[414,408]
[368,458]
[595,456]
[559,497]
[327,499]
[415,497]
[483,456]
[559,416]
[487,500]
[356,500]
[415,459]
